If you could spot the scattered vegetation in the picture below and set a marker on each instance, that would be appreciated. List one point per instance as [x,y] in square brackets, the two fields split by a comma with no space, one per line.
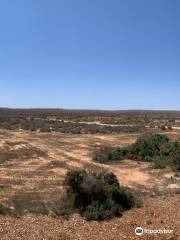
[154,148]
[46,125]
[76,121]
[98,196]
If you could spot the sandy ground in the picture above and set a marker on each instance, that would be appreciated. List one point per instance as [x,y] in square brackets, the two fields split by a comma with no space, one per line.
[44,174]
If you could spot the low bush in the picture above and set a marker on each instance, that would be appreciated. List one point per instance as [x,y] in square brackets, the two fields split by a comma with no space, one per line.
[175,158]
[98,196]
[148,147]
[108,154]
[154,148]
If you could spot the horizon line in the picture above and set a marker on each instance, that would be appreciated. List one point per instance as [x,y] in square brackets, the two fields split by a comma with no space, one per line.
[87,109]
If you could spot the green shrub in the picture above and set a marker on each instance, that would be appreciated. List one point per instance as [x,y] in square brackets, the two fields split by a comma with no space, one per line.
[98,196]
[175,157]
[148,146]
[154,148]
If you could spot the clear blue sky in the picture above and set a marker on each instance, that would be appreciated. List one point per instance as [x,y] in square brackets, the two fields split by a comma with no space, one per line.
[102,54]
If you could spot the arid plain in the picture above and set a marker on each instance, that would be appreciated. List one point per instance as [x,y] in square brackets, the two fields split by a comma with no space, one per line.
[32,180]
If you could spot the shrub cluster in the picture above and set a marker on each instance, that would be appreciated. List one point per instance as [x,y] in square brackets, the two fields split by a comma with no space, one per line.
[149,146]
[46,125]
[154,148]
[98,196]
